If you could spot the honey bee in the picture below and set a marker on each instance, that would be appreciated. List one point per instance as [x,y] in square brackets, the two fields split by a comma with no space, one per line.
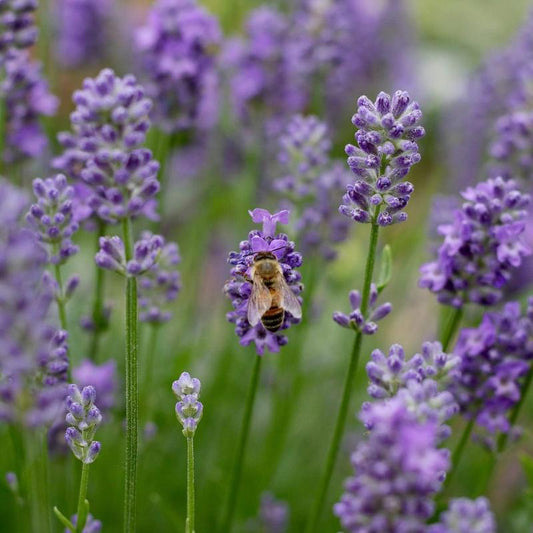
[271,296]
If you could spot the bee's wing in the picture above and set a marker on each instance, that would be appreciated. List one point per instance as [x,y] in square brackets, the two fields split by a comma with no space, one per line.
[289,301]
[260,300]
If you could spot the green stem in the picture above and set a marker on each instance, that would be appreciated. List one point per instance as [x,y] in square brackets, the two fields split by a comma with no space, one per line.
[81,514]
[458,452]
[348,387]
[132,399]
[189,524]
[60,298]
[98,315]
[451,327]
[241,447]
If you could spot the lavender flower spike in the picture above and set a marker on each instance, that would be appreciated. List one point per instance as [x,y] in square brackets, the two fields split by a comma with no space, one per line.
[466,516]
[356,321]
[398,469]
[105,148]
[84,418]
[385,152]
[91,525]
[239,287]
[52,217]
[188,409]
[17,26]
[481,246]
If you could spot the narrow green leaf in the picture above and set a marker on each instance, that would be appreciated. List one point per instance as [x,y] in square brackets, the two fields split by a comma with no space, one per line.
[64,520]
[385,272]
[527,465]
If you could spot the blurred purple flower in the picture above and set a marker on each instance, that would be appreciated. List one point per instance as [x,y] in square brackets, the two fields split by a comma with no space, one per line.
[105,149]
[82,33]
[398,469]
[33,355]
[494,359]
[312,184]
[159,285]
[385,152]
[102,377]
[466,516]
[273,514]
[356,321]
[239,287]
[176,49]
[17,26]
[91,525]
[481,246]
[27,100]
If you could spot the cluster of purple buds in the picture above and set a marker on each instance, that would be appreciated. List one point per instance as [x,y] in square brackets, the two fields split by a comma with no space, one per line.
[464,515]
[494,360]
[33,355]
[511,149]
[112,255]
[83,418]
[355,320]
[82,31]
[273,514]
[52,217]
[398,470]
[177,52]
[17,25]
[388,373]
[160,284]
[239,287]
[188,409]
[27,100]
[104,151]
[385,152]
[481,245]
[420,382]
[312,184]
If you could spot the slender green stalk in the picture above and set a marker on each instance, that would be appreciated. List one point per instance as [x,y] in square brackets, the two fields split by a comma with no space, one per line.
[241,448]
[132,394]
[451,327]
[61,307]
[347,391]
[82,507]
[458,452]
[98,315]
[189,524]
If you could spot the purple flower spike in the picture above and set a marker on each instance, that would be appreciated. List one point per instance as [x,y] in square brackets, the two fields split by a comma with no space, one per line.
[82,31]
[385,152]
[177,48]
[311,184]
[52,217]
[83,418]
[105,149]
[399,462]
[464,515]
[188,409]
[273,514]
[239,287]
[27,100]
[17,26]
[160,284]
[481,246]
[494,360]
[356,321]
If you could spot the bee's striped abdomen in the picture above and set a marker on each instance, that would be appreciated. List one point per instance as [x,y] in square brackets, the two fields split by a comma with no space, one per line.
[273,318]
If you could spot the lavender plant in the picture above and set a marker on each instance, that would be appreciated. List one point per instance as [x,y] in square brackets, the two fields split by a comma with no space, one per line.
[386,151]
[17,26]
[189,412]
[83,418]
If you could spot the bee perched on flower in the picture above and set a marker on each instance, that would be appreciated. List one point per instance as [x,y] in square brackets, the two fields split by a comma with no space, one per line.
[264,284]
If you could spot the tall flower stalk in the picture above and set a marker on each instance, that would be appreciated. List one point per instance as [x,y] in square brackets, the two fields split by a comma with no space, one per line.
[385,151]
[189,412]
